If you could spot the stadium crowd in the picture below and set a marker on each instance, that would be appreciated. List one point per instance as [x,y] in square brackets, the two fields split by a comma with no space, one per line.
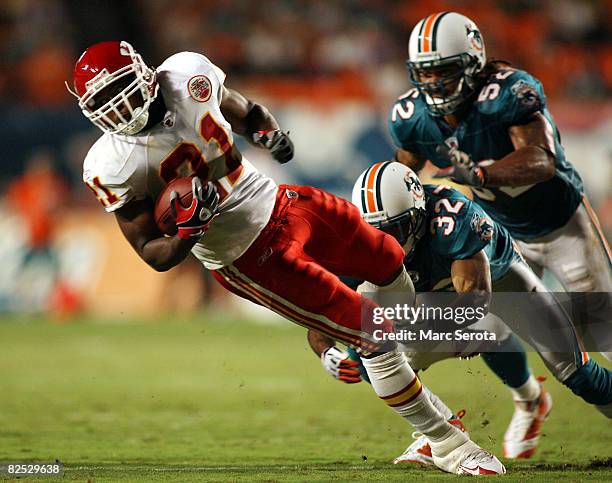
[318,51]
[565,43]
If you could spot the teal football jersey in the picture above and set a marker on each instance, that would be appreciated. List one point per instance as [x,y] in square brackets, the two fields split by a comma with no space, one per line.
[457,228]
[508,98]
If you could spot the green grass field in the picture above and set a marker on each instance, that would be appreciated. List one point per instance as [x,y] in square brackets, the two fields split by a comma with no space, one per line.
[213,400]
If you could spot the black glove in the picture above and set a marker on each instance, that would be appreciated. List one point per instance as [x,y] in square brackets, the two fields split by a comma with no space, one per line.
[277,142]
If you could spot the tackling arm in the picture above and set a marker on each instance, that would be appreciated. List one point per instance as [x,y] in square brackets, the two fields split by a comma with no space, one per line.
[319,343]
[533,160]
[137,223]
[472,274]
[335,361]
[472,280]
[413,161]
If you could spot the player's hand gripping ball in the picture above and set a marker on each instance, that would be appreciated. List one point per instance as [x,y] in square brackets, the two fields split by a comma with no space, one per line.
[186,207]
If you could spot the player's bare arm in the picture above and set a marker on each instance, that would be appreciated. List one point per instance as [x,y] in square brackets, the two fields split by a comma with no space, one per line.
[256,124]
[245,116]
[318,342]
[137,223]
[472,275]
[472,280]
[414,161]
[533,160]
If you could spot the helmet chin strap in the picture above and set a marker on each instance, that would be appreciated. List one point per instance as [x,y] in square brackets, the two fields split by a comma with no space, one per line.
[409,245]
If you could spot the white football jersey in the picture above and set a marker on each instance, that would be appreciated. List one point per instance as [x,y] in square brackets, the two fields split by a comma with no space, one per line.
[194,137]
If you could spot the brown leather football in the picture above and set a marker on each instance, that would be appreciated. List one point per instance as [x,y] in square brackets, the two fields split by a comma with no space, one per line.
[164,217]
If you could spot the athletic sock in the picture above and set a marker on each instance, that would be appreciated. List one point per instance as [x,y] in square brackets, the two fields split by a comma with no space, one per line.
[397,385]
[439,404]
[529,391]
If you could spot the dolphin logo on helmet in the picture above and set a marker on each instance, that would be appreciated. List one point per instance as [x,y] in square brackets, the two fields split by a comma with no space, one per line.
[391,197]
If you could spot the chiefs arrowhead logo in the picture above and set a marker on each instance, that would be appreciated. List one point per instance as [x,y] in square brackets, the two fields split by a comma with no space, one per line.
[200,88]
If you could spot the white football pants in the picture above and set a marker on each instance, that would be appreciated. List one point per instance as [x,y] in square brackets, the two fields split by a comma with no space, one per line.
[578,255]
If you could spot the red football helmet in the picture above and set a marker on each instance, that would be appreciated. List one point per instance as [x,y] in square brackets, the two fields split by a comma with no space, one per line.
[114,64]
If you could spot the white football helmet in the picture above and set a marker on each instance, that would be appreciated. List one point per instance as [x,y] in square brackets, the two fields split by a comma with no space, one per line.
[451,43]
[390,197]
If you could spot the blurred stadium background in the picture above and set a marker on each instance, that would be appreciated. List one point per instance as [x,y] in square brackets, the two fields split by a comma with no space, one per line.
[330,70]
[110,388]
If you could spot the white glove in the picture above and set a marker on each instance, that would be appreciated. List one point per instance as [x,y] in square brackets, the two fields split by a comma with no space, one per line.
[338,363]
[463,169]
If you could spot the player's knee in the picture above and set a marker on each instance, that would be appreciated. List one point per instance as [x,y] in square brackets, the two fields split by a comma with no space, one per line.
[592,383]
[578,278]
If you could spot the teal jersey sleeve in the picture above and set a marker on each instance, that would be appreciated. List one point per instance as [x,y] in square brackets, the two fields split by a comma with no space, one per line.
[405,122]
[459,227]
[511,97]
[508,97]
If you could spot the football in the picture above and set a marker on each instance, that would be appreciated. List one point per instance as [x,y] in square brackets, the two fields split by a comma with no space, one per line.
[164,217]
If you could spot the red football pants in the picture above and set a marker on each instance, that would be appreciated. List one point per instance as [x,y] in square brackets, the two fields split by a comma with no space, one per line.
[293,264]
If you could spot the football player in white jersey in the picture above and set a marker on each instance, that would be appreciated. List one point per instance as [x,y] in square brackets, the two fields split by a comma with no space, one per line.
[279,246]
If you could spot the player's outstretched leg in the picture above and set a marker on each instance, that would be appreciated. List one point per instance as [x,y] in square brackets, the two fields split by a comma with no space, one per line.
[419,451]
[285,270]
[397,385]
[532,403]
[554,337]
[451,449]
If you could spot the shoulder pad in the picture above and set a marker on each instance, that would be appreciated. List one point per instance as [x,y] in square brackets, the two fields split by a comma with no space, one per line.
[189,74]
[109,170]
[404,118]
[511,96]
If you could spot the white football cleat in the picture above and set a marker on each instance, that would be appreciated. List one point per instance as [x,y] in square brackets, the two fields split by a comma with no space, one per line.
[523,433]
[419,451]
[479,462]
[465,457]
